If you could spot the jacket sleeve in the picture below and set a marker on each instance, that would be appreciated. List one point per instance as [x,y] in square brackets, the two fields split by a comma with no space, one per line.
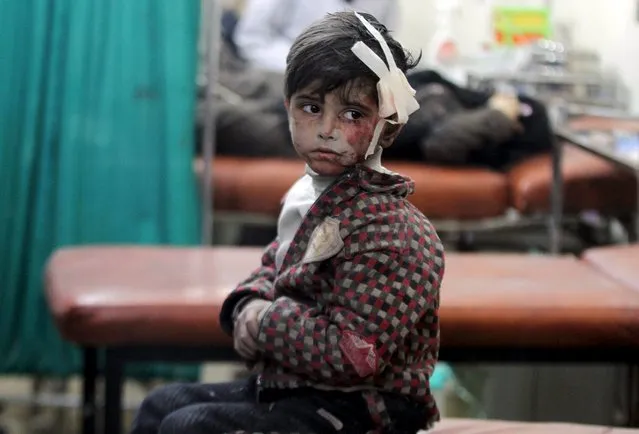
[465,132]
[378,296]
[258,285]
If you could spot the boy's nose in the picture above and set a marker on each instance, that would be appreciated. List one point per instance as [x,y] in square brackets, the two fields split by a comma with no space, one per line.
[327,129]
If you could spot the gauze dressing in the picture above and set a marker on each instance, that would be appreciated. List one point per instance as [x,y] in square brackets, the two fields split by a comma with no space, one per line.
[396,96]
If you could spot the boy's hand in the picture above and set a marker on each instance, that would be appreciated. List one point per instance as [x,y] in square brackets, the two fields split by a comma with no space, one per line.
[505,103]
[247,326]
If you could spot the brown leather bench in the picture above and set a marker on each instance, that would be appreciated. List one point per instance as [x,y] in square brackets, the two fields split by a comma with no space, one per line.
[163,303]
[604,123]
[590,182]
[620,263]
[465,195]
[472,426]
[258,185]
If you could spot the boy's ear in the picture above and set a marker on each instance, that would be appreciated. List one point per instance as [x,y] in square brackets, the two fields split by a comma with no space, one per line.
[389,134]
[287,103]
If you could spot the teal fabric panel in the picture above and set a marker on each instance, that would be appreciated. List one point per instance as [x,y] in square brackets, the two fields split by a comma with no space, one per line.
[97,103]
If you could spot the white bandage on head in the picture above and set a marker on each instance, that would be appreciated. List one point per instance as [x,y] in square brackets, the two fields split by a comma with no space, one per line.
[396,96]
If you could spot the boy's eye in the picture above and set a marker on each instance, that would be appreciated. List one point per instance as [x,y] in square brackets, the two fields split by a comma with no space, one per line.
[352,115]
[311,108]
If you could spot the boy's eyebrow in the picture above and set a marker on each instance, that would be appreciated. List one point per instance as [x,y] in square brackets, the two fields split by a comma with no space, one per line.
[355,103]
[345,101]
[312,97]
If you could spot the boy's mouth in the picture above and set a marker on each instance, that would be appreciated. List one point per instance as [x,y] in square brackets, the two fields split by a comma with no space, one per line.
[325,154]
[326,150]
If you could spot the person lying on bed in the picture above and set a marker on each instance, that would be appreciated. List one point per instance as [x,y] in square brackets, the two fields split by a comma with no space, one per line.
[462,127]
[340,321]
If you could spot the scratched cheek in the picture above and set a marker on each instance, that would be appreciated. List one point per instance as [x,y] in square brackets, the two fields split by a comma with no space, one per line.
[360,135]
[355,134]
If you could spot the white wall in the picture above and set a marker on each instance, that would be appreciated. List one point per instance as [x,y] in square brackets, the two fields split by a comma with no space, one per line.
[610,28]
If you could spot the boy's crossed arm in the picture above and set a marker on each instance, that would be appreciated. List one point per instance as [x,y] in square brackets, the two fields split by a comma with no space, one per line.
[258,285]
[378,297]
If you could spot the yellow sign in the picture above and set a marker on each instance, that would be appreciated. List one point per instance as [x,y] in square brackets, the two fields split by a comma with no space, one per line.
[519,26]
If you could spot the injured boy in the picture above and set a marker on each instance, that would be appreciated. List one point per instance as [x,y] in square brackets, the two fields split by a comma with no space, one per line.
[340,322]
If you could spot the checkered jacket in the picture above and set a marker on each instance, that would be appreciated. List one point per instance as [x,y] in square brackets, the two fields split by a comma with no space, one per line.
[368,316]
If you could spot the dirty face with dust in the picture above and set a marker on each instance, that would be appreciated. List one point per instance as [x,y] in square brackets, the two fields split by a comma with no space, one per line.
[333,132]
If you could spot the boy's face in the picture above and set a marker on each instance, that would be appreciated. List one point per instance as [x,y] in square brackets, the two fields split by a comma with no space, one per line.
[332,133]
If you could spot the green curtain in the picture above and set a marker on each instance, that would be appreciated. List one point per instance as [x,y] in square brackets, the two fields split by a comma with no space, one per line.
[97,104]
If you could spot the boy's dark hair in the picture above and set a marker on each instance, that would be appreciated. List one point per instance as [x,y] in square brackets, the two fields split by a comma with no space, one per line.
[321,56]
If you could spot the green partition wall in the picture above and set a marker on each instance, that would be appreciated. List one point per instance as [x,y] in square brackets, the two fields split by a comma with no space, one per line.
[96,143]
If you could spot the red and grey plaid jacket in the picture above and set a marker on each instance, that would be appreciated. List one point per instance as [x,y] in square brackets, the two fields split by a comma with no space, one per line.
[356,301]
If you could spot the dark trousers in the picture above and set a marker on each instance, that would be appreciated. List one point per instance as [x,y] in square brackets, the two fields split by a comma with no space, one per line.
[234,408]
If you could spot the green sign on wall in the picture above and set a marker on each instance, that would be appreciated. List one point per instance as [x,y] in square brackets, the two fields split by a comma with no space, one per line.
[520,26]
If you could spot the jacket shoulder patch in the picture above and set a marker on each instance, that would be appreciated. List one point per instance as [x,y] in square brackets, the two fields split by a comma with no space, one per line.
[325,241]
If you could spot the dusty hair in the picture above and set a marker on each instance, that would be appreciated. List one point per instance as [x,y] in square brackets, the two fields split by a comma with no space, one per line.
[321,58]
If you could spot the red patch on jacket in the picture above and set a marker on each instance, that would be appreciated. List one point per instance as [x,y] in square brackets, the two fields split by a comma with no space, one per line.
[359,352]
